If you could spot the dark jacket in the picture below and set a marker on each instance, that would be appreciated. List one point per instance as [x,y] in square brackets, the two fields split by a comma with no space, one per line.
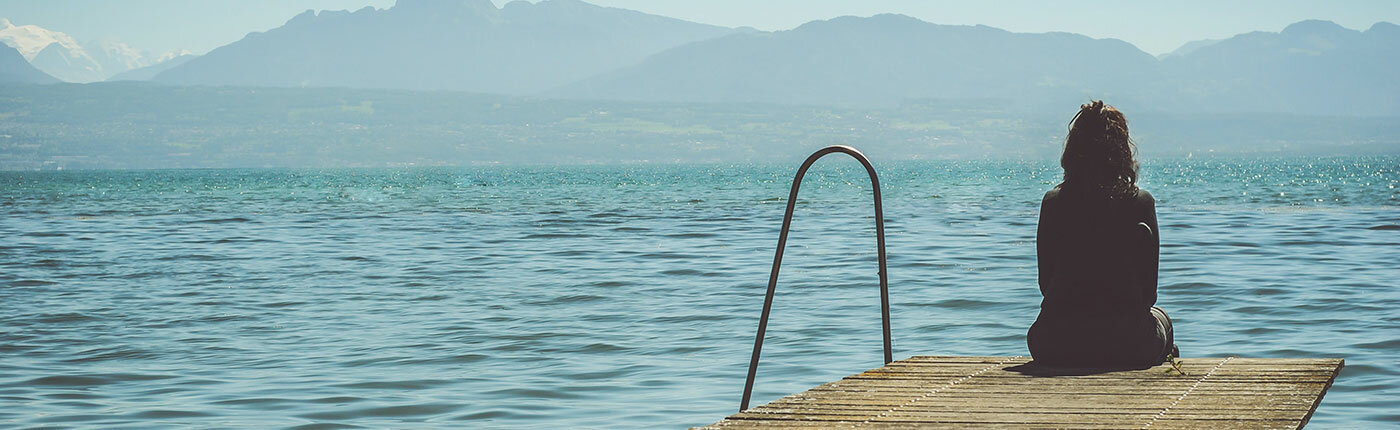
[1098,276]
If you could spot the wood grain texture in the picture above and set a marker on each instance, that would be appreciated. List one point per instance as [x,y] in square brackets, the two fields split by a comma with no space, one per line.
[1012,392]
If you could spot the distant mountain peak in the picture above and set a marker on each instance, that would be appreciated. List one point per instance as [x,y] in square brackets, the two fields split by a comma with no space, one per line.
[565,3]
[519,6]
[893,17]
[446,5]
[879,18]
[1313,26]
[30,39]
[1384,27]
[170,55]
[852,21]
[303,16]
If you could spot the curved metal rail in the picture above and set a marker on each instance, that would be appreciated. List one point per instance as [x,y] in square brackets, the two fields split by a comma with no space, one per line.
[778,260]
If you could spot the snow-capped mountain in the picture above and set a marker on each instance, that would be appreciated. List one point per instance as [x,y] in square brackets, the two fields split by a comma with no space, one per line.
[53,52]
[63,57]
[30,39]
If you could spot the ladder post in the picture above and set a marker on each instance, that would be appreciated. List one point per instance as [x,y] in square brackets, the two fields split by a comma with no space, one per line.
[782,242]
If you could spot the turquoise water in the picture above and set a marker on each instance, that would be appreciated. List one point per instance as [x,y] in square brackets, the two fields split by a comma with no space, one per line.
[626,296]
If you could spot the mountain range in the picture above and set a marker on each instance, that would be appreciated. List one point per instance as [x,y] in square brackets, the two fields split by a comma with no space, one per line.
[575,50]
[569,49]
[884,59]
[467,45]
[1311,67]
[63,57]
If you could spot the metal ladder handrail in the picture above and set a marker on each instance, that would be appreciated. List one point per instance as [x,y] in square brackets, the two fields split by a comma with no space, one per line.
[782,242]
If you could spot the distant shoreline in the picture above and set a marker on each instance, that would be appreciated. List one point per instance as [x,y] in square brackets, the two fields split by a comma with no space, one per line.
[134,126]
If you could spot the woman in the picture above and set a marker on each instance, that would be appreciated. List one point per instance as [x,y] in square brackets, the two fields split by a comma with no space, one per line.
[1097,252]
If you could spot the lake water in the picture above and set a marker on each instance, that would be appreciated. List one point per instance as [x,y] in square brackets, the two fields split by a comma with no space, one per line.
[627,296]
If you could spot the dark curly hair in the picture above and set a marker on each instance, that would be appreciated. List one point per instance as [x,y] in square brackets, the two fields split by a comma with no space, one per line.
[1098,155]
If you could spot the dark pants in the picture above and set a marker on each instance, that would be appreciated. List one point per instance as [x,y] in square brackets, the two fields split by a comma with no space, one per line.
[1125,341]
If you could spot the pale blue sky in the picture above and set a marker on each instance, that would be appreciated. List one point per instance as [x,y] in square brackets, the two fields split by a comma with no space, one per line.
[1155,27]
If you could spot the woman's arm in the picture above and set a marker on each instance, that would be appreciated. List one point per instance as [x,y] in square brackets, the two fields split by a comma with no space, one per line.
[1044,240]
[1151,256]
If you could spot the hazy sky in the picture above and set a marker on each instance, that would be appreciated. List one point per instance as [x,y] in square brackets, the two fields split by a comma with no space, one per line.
[1155,27]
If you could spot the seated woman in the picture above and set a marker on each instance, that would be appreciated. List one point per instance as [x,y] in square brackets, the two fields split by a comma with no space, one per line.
[1097,252]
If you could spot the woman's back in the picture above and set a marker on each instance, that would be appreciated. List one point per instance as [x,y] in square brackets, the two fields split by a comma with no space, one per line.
[1095,256]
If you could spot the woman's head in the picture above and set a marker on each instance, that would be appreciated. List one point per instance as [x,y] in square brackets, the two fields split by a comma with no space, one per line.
[1098,154]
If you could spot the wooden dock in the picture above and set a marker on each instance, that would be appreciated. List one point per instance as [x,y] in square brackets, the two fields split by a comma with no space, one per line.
[1006,392]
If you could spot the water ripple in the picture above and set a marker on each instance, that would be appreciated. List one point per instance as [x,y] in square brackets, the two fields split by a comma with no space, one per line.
[626,296]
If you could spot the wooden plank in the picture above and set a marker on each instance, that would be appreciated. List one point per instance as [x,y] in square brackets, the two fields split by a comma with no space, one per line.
[1006,392]
[1100,402]
[1262,384]
[782,424]
[946,359]
[949,413]
[1045,420]
[1053,404]
[967,390]
[1160,424]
